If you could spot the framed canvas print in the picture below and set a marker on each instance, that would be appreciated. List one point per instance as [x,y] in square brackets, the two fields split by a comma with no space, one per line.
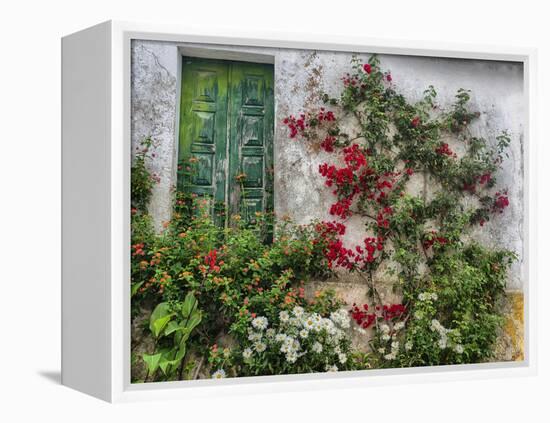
[245,214]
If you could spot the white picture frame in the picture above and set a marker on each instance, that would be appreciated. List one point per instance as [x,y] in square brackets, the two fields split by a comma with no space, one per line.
[96,227]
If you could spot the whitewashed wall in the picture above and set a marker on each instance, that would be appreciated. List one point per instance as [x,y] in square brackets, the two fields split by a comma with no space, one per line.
[300,77]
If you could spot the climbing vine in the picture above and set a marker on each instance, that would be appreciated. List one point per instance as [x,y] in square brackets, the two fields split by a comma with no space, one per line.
[450,284]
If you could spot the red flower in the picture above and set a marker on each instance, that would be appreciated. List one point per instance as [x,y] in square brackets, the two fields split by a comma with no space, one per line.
[354,157]
[330,228]
[367,68]
[392,311]
[341,208]
[388,77]
[138,249]
[362,318]
[325,116]
[483,179]
[501,202]
[433,238]
[382,218]
[210,260]
[328,144]
[296,125]
[365,319]
[445,150]
[415,122]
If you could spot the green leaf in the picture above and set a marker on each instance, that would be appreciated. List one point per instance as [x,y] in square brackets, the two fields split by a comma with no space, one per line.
[152,361]
[172,327]
[193,320]
[135,287]
[189,304]
[162,309]
[165,364]
[158,325]
[159,318]
[181,352]
[182,335]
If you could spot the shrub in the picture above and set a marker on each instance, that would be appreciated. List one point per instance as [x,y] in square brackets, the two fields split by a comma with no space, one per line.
[232,272]
[295,341]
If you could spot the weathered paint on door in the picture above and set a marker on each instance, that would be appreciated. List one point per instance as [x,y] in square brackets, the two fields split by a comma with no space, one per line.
[226,123]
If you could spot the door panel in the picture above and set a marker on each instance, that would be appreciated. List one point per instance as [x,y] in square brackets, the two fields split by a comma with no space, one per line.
[251,138]
[227,126]
[203,129]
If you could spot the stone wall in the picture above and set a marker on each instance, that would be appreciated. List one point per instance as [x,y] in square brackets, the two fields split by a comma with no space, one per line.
[300,77]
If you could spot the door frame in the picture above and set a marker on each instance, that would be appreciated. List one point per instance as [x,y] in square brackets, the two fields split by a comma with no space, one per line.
[226,55]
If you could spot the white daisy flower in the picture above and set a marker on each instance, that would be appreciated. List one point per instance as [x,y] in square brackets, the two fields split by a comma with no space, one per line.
[399,326]
[298,311]
[427,296]
[334,341]
[304,333]
[294,321]
[317,347]
[395,345]
[280,337]
[254,336]
[459,349]
[381,350]
[219,374]
[247,353]
[295,345]
[390,356]
[329,326]
[408,345]
[291,357]
[260,347]
[436,326]
[386,337]
[309,323]
[313,322]
[317,317]
[341,318]
[342,358]
[284,316]
[270,333]
[332,368]
[290,345]
[260,323]
[385,328]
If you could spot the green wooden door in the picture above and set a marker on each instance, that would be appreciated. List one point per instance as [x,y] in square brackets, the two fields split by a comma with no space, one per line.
[203,130]
[226,125]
